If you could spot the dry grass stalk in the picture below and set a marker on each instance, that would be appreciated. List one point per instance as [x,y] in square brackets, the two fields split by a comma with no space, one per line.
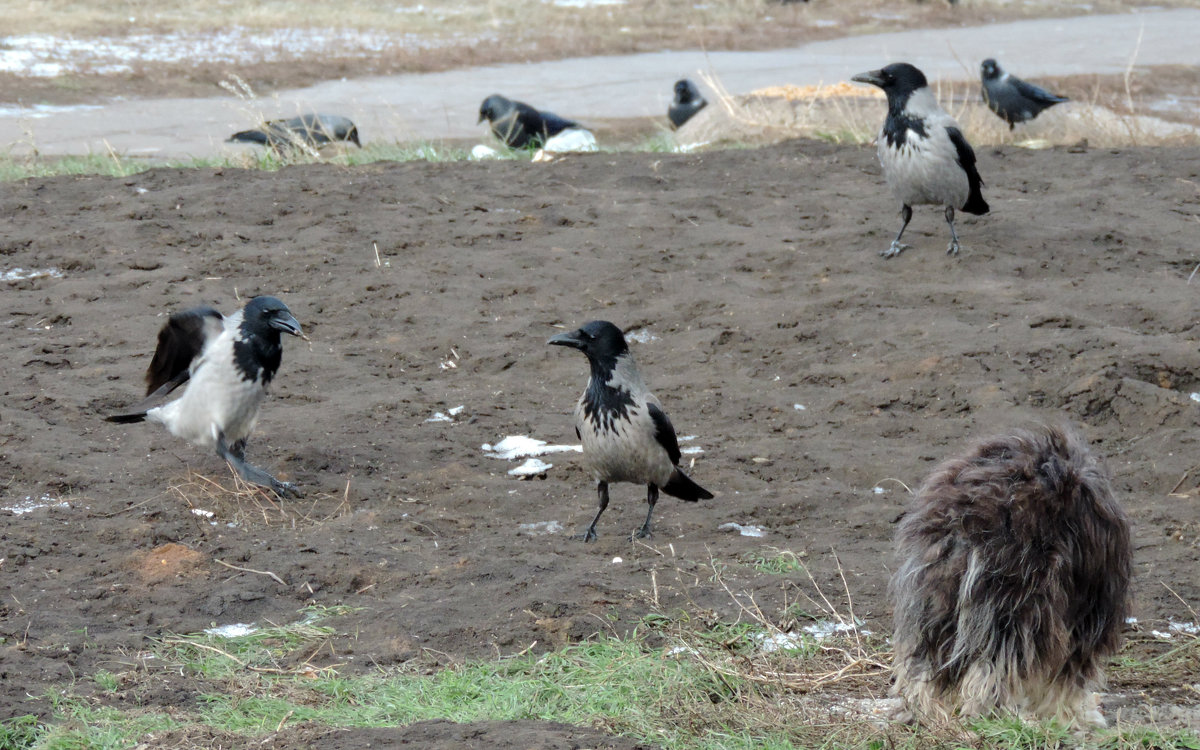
[844,658]
[242,502]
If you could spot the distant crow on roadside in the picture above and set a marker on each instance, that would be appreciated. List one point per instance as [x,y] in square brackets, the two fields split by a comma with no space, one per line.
[688,101]
[925,158]
[626,436]
[518,124]
[227,363]
[311,130]
[1011,98]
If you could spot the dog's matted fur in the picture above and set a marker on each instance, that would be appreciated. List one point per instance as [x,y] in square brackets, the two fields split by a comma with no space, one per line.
[1013,581]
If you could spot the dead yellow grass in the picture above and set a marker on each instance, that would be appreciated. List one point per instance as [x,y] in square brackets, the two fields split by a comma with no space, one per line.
[852,113]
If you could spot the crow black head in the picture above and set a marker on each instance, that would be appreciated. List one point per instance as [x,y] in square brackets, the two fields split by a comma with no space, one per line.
[352,136]
[493,108]
[264,315]
[989,69]
[897,80]
[600,340]
[685,91]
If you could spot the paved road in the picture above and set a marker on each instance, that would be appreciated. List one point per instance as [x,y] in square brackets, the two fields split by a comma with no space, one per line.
[432,106]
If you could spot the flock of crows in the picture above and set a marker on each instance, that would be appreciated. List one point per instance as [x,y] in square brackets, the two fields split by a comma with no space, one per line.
[1015,556]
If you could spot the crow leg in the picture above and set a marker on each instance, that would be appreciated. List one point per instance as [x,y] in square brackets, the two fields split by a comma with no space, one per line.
[897,246]
[235,456]
[602,502]
[651,499]
[952,249]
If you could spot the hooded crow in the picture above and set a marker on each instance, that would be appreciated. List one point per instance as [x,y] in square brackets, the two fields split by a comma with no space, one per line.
[688,101]
[312,130]
[925,158]
[520,125]
[227,363]
[1011,98]
[626,436]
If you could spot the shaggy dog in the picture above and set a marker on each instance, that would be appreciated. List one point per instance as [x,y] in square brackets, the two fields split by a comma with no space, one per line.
[1012,585]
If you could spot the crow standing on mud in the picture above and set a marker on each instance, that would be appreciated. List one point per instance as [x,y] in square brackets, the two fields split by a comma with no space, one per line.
[311,130]
[1011,98]
[518,124]
[688,101]
[925,158]
[626,436]
[227,363]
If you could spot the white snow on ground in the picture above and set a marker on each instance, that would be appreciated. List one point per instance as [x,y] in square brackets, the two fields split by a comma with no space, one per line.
[44,56]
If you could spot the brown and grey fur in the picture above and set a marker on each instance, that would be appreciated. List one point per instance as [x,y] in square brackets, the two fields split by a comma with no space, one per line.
[1013,582]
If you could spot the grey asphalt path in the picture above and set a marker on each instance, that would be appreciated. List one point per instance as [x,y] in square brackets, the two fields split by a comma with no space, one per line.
[433,106]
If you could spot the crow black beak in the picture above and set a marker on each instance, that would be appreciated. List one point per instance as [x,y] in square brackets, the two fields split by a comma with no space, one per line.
[482,117]
[567,339]
[286,323]
[873,77]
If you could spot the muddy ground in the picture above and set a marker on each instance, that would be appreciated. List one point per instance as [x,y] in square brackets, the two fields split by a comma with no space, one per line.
[810,370]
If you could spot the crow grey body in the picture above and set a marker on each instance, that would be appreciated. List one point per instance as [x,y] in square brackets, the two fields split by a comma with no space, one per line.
[520,125]
[925,158]
[626,435]
[688,101]
[311,130]
[1012,99]
[227,363]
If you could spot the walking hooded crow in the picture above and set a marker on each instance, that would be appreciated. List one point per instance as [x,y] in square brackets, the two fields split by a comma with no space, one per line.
[925,158]
[227,363]
[312,130]
[1011,98]
[626,436]
[518,124]
[688,101]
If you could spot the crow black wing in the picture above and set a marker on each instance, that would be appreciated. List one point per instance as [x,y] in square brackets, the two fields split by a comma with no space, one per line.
[664,433]
[180,341]
[1036,93]
[966,159]
[553,124]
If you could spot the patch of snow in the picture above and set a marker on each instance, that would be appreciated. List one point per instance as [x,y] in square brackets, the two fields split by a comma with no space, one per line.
[21,274]
[642,336]
[44,55]
[691,449]
[234,630]
[446,416]
[531,468]
[743,530]
[1195,396]
[878,490]
[586,3]
[521,446]
[29,505]
[1188,628]
[823,629]
[202,513]
[572,141]
[38,111]
[538,528]
[617,561]
[484,152]
[799,407]
[779,642]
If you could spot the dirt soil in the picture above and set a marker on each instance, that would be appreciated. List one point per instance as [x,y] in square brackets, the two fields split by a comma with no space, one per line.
[819,379]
